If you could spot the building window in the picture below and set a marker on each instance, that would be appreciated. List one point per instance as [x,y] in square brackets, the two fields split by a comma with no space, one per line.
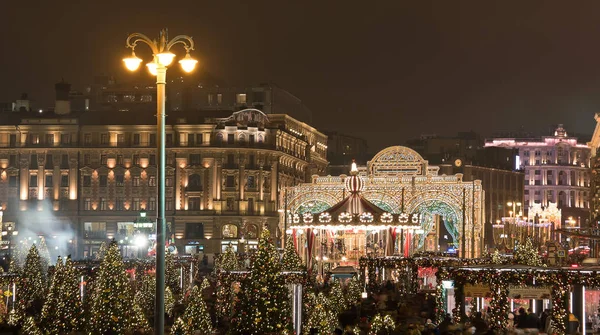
[251,139]
[195,159]
[136,204]
[64,161]
[87,204]
[103,204]
[50,139]
[152,159]
[251,182]
[259,97]
[104,138]
[12,181]
[230,138]
[230,181]
[252,231]
[120,180]
[136,181]
[87,181]
[240,98]
[169,139]
[152,204]
[219,98]
[87,139]
[12,160]
[152,181]
[103,159]
[120,204]
[65,139]
[190,139]
[211,98]
[230,159]
[34,139]
[136,139]
[194,182]
[194,203]
[119,159]
[103,180]
[120,139]
[86,159]
[169,204]
[64,180]
[146,98]
[128,98]
[194,230]
[152,139]
[48,182]
[229,231]
[169,182]
[230,204]
[136,159]
[33,180]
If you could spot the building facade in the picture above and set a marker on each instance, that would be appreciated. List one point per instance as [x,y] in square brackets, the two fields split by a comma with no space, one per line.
[96,171]
[344,149]
[557,170]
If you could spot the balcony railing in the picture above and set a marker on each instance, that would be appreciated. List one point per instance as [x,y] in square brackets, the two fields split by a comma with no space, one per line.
[95,235]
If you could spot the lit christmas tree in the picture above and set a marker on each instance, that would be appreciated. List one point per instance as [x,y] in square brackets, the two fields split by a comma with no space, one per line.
[354,292]
[146,293]
[382,325]
[320,317]
[196,315]
[496,257]
[229,260]
[111,310]
[336,297]
[44,254]
[171,274]
[32,286]
[264,302]
[49,311]
[69,315]
[19,253]
[101,251]
[291,261]
[180,328]
[30,327]
[527,254]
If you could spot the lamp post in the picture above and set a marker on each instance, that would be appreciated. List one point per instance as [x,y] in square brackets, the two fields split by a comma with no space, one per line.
[513,219]
[162,58]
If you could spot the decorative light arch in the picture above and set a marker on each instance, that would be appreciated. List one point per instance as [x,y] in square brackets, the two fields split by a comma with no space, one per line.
[397,160]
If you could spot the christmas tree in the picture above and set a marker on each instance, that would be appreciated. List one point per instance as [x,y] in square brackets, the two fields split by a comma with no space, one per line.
[196,315]
[19,253]
[320,317]
[180,328]
[229,260]
[264,302]
[146,293]
[44,254]
[336,297]
[171,274]
[496,257]
[101,252]
[354,292]
[291,261]
[32,282]
[382,325]
[30,327]
[49,310]
[527,254]
[111,310]
[69,314]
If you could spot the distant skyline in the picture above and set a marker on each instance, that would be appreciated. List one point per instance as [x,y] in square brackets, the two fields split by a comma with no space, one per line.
[386,71]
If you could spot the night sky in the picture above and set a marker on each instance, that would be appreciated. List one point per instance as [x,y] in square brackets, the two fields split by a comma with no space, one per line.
[384,70]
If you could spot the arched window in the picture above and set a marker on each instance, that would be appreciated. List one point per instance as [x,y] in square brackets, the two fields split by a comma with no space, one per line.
[562,199]
[252,231]
[229,231]
[194,182]
[219,137]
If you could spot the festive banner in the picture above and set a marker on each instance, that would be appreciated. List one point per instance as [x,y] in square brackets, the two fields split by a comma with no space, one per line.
[477,291]
[518,292]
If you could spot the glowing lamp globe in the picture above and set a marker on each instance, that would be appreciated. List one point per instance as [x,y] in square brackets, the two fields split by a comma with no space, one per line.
[165,58]
[188,63]
[132,63]
[152,68]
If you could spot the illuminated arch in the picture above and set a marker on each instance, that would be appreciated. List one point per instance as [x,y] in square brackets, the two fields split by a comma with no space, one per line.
[431,202]
[322,197]
[397,160]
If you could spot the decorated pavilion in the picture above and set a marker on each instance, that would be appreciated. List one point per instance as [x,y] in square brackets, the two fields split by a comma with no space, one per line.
[396,205]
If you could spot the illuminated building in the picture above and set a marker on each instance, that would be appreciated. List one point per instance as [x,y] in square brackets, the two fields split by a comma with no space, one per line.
[97,170]
[557,170]
[397,204]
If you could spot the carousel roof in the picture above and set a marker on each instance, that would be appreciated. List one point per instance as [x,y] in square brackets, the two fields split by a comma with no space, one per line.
[355,210]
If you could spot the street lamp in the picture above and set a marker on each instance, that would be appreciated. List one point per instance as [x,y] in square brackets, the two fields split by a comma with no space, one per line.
[162,58]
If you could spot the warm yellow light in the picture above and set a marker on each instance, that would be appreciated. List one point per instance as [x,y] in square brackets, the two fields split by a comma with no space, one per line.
[152,68]
[509,203]
[165,58]
[188,63]
[132,63]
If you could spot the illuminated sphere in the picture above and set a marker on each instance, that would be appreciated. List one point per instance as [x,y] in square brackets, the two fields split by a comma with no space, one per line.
[354,184]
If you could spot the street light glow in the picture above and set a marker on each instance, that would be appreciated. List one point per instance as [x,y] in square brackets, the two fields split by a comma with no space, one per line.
[132,63]
[152,68]
[188,63]
[165,58]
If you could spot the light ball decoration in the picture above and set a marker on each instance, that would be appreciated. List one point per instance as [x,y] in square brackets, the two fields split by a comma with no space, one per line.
[324,217]
[386,218]
[345,217]
[415,218]
[354,184]
[307,217]
[366,217]
[403,218]
[296,218]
